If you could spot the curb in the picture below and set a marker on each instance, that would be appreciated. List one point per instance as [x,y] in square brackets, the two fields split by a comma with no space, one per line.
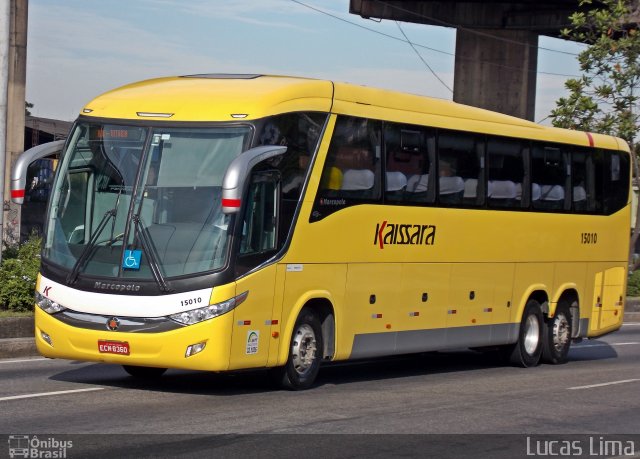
[17,327]
[633,317]
[18,347]
[17,337]
[632,303]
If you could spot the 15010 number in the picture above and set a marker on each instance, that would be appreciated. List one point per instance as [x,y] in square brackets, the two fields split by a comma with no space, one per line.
[589,238]
[190,301]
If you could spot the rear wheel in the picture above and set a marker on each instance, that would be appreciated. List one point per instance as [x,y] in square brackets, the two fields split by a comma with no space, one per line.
[148,373]
[557,336]
[527,350]
[305,353]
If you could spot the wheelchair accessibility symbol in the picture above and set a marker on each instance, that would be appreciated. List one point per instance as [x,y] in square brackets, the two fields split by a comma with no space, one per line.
[132,259]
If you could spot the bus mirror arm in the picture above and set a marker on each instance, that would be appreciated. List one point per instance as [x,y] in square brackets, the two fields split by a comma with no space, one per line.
[19,171]
[238,171]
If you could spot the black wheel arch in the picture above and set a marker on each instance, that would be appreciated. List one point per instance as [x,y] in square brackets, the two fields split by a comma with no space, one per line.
[323,308]
[571,298]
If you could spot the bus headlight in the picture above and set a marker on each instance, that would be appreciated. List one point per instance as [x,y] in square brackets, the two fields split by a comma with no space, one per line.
[208,312]
[47,305]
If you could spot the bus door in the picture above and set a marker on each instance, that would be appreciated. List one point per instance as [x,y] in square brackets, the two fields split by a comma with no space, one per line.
[612,297]
[608,291]
[254,318]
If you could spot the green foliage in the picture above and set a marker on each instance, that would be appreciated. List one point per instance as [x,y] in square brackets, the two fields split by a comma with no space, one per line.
[9,251]
[633,285]
[605,98]
[18,273]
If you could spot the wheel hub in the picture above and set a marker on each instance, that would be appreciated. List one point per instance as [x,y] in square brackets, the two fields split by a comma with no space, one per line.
[303,349]
[560,332]
[531,334]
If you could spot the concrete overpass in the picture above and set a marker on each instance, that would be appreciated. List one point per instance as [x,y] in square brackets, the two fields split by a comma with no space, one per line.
[496,43]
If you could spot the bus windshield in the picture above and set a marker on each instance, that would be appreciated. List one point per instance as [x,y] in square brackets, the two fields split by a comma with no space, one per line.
[129,200]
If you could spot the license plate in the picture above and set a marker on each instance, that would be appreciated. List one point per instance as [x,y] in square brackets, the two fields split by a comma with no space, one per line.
[113,347]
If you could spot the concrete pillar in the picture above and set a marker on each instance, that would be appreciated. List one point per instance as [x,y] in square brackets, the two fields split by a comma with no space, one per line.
[15,110]
[496,70]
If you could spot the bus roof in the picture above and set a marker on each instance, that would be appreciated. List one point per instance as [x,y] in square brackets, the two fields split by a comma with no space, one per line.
[225,97]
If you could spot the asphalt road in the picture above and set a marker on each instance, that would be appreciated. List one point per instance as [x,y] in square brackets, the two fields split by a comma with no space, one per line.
[596,394]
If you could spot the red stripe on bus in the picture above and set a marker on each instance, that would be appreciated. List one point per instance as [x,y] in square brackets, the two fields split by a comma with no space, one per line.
[591,142]
[230,203]
[17,193]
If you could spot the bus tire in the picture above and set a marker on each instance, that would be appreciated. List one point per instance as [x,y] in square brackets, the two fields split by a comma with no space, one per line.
[527,350]
[556,337]
[148,373]
[305,353]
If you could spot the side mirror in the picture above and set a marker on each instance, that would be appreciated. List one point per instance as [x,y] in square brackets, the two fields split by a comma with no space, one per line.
[238,171]
[19,171]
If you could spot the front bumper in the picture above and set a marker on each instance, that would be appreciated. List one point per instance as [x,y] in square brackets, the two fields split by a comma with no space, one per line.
[163,349]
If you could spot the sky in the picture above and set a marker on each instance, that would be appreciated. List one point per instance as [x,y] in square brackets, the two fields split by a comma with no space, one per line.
[78,49]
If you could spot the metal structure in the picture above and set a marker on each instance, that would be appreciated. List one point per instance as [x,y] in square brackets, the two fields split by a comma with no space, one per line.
[496,44]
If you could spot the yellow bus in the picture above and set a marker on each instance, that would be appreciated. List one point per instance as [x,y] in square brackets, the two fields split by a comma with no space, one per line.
[224,222]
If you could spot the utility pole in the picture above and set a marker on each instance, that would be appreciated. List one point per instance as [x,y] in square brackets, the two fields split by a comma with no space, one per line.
[5,22]
[13,74]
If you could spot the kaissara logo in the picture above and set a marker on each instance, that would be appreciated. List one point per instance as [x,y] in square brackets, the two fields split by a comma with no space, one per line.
[404,234]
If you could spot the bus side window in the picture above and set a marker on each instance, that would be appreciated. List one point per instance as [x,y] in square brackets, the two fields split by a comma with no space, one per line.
[300,132]
[616,182]
[459,169]
[506,173]
[599,181]
[450,184]
[582,183]
[353,167]
[550,173]
[408,163]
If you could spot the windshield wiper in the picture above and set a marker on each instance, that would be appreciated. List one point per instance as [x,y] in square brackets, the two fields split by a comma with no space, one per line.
[145,240]
[73,275]
[93,240]
[113,223]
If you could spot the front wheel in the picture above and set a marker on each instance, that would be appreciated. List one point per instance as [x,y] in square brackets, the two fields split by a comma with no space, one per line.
[147,373]
[305,353]
[527,350]
[557,336]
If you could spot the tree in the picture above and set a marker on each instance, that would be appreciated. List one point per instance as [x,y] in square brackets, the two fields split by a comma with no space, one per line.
[27,106]
[605,97]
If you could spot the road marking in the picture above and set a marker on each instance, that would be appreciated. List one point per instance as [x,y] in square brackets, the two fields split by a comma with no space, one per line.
[47,394]
[24,360]
[582,346]
[624,381]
